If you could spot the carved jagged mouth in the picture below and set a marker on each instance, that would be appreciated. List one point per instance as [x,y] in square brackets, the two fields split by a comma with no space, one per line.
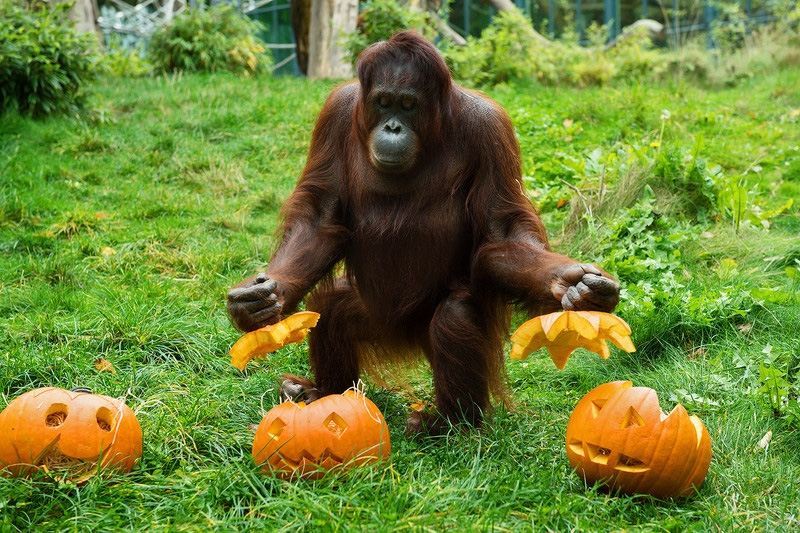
[306,462]
[52,459]
[603,456]
[55,460]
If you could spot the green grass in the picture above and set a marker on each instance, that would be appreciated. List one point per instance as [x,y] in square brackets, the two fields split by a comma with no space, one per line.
[120,234]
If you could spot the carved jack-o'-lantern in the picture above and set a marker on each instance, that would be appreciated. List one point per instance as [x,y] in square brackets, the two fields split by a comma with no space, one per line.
[52,428]
[618,434]
[334,432]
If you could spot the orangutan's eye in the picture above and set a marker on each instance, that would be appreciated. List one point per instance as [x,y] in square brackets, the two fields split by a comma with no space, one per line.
[384,100]
[408,103]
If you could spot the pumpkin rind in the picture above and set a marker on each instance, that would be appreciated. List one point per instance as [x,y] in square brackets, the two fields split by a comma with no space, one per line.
[97,431]
[565,331]
[618,434]
[262,341]
[334,432]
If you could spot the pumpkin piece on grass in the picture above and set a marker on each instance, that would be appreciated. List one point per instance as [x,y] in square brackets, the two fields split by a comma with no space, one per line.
[335,432]
[618,435]
[262,341]
[565,331]
[77,432]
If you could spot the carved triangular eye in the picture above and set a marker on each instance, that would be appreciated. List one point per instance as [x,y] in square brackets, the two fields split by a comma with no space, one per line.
[576,446]
[630,464]
[632,419]
[598,454]
[597,405]
[276,428]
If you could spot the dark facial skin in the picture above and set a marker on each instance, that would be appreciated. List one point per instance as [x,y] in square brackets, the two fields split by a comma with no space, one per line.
[393,144]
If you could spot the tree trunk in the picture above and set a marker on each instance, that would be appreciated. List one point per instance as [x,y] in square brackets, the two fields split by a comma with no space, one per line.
[447,32]
[441,25]
[301,23]
[84,14]
[503,5]
[331,22]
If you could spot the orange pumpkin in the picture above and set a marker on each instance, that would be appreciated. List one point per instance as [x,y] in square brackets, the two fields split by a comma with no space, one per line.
[260,342]
[53,428]
[565,331]
[333,433]
[619,435]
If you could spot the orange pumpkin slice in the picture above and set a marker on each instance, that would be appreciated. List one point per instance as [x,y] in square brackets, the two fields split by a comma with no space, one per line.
[565,331]
[265,340]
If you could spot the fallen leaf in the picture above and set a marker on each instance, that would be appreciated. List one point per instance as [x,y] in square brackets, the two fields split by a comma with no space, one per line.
[568,122]
[745,328]
[103,365]
[697,352]
[765,440]
[418,406]
[107,251]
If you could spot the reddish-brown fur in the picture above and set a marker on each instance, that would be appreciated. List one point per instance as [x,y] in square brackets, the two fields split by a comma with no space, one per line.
[431,260]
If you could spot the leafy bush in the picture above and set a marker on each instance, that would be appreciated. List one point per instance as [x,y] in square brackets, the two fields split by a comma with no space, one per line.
[125,63]
[505,51]
[691,61]
[634,57]
[509,49]
[380,19]
[44,62]
[209,40]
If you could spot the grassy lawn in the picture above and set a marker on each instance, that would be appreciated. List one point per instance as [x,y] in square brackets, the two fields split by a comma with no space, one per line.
[119,236]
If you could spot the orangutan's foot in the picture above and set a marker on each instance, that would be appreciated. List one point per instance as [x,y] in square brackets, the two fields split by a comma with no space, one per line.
[298,389]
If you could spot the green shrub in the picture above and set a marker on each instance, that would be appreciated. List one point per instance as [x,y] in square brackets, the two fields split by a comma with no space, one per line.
[635,58]
[380,19]
[691,61]
[505,51]
[125,63]
[209,40]
[44,62]
[509,49]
